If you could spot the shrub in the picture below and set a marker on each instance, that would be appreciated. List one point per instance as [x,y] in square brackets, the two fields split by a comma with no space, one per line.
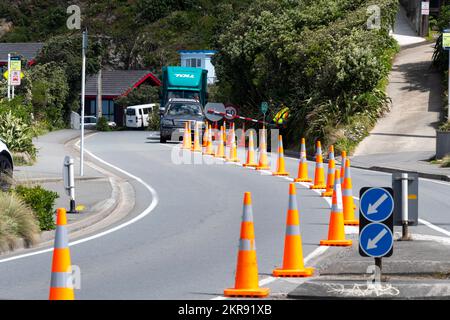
[16,221]
[102,124]
[42,202]
[154,119]
[17,134]
[445,126]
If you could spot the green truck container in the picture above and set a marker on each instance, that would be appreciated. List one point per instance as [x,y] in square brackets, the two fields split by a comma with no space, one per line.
[184,82]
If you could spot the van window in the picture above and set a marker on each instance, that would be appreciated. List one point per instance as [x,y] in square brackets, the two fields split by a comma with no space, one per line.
[146,110]
[131,112]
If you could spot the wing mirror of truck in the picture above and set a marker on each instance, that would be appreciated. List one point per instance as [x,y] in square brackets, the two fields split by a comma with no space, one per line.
[162,111]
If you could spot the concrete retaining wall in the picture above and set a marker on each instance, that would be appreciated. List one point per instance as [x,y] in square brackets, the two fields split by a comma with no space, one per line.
[442,144]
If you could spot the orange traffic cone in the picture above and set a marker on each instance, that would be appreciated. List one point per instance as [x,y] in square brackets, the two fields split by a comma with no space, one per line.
[319,175]
[220,152]
[343,159]
[303,165]
[209,147]
[280,171]
[263,163]
[330,174]
[205,136]
[196,147]
[242,138]
[233,148]
[186,137]
[347,198]
[251,161]
[293,265]
[61,287]
[224,133]
[246,281]
[336,232]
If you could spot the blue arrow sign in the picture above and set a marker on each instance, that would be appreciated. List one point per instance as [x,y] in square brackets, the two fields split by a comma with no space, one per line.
[377,204]
[376,240]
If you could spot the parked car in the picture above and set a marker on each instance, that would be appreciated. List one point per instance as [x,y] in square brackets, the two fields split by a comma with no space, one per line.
[138,116]
[90,122]
[176,113]
[6,167]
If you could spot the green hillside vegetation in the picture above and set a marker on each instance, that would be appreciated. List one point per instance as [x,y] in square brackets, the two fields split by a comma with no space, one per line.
[315,56]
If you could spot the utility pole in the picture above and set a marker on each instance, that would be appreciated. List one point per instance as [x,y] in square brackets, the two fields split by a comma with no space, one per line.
[99,94]
[83,93]
[9,76]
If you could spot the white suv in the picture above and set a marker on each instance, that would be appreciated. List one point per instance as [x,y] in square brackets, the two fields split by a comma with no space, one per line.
[6,167]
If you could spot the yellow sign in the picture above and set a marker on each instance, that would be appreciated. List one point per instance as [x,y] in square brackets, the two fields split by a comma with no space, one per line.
[5,75]
[16,65]
[446,40]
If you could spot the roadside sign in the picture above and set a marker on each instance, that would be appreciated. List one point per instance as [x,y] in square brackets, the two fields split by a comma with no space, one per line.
[15,78]
[6,73]
[214,106]
[231,112]
[446,39]
[376,233]
[264,107]
[413,198]
[425,8]
[16,64]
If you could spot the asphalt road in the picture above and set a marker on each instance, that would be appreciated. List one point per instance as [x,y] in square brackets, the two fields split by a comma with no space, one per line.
[186,247]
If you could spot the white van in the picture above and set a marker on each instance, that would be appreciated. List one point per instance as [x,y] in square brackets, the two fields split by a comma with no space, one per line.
[138,116]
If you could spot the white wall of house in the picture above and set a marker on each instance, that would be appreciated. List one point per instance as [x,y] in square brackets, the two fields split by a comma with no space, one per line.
[199,59]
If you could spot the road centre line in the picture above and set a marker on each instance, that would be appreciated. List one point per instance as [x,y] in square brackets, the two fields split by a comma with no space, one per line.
[144,213]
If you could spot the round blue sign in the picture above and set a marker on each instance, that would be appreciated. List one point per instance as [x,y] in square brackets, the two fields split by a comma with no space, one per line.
[376,240]
[377,204]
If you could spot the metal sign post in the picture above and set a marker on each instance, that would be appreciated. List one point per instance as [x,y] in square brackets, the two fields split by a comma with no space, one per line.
[446,46]
[69,182]
[376,229]
[9,77]
[406,195]
[83,93]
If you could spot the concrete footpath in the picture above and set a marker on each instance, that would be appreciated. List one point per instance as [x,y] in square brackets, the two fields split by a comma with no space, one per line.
[100,193]
[418,269]
[405,138]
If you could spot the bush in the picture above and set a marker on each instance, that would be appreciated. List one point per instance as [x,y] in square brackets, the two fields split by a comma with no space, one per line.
[154,119]
[42,202]
[445,127]
[16,221]
[102,124]
[17,134]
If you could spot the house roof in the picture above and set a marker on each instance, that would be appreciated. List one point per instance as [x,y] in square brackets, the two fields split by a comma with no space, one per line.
[120,82]
[197,52]
[29,50]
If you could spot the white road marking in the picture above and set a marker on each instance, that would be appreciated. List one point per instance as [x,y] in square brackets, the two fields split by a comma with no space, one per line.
[147,211]
[436,228]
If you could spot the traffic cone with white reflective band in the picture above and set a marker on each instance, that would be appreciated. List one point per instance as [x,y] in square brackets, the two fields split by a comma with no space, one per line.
[205,136]
[343,159]
[319,174]
[61,287]
[303,165]
[242,137]
[251,159]
[220,152]
[186,137]
[293,265]
[209,147]
[246,280]
[336,230]
[263,162]
[347,198]
[280,171]
[224,133]
[233,152]
[330,174]
[196,146]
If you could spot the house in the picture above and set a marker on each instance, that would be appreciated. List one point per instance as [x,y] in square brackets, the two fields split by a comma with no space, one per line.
[114,84]
[28,51]
[199,59]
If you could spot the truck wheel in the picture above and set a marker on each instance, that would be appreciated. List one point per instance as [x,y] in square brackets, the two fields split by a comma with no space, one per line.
[162,139]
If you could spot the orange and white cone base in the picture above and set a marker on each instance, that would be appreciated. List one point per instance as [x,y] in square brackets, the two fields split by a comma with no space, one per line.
[293,265]
[347,198]
[246,280]
[251,159]
[336,231]
[61,287]
[303,165]
[280,171]
[319,174]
